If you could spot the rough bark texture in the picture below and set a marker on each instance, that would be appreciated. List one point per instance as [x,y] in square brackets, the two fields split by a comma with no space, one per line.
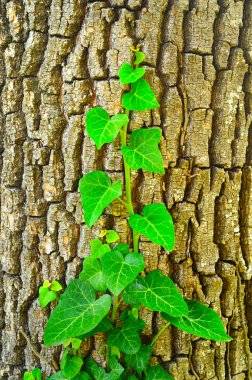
[58,58]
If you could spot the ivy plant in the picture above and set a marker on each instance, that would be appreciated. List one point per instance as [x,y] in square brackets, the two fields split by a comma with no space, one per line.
[113,286]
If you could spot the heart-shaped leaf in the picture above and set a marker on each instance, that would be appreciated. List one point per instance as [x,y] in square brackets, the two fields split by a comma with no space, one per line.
[104,326]
[119,271]
[139,361]
[156,224]
[201,321]
[112,236]
[126,338]
[157,292]
[46,296]
[92,272]
[143,151]
[157,373]
[128,74]
[140,57]
[77,313]
[97,192]
[56,287]
[98,373]
[98,249]
[60,376]
[140,97]
[72,366]
[101,128]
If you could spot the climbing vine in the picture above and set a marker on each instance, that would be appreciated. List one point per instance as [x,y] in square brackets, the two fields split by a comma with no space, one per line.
[112,286]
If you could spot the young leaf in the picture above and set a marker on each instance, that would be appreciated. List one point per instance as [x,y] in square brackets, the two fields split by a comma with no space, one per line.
[97,192]
[143,151]
[77,313]
[140,97]
[36,372]
[101,128]
[112,236]
[157,373]
[72,366]
[201,321]
[119,271]
[75,343]
[157,292]
[92,272]
[56,287]
[98,249]
[46,284]
[139,361]
[156,224]
[126,338]
[128,74]
[140,57]
[46,296]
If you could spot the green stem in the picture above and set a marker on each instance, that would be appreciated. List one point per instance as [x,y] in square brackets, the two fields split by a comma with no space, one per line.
[114,310]
[160,332]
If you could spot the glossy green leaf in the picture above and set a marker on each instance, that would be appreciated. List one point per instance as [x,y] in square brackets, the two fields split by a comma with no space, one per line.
[97,192]
[157,373]
[72,366]
[46,296]
[60,376]
[201,321]
[77,313]
[128,74]
[35,374]
[156,224]
[140,57]
[46,284]
[112,236]
[104,326]
[140,360]
[101,128]
[119,271]
[56,287]
[157,292]
[140,97]
[126,338]
[99,373]
[98,249]
[92,272]
[75,343]
[143,151]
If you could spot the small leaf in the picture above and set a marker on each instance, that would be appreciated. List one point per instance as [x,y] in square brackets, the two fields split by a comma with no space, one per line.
[98,249]
[75,343]
[112,236]
[128,74]
[115,351]
[143,151]
[46,284]
[139,361]
[46,296]
[101,128]
[97,192]
[56,287]
[157,292]
[102,233]
[140,97]
[72,366]
[201,321]
[126,338]
[156,224]
[140,57]
[92,272]
[78,312]
[157,373]
[119,271]
[36,372]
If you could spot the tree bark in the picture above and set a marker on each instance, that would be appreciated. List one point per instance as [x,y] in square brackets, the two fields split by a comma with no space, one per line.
[58,58]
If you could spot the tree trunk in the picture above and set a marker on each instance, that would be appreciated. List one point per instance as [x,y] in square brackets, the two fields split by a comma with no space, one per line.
[58,58]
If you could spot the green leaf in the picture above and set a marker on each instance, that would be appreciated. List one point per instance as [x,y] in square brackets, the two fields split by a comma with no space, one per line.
[112,236]
[201,321]
[75,343]
[157,292]
[101,128]
[116,368]
[140,57]
[143,151]
[99,373]
[139,361]
[72,366]
[157,373]
[97,192]
[98,249]
[46,296]
[46,284]
[104,326]
[36,372]
[58,376]
[126,338]
[82,376]
[92,272]
[56,287]
[119,271]
[140,97]
[128,74]
[156,224]
[77,313]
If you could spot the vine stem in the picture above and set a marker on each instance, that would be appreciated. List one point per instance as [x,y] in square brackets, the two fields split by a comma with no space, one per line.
[116,303]
[129,203]
[160,333]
